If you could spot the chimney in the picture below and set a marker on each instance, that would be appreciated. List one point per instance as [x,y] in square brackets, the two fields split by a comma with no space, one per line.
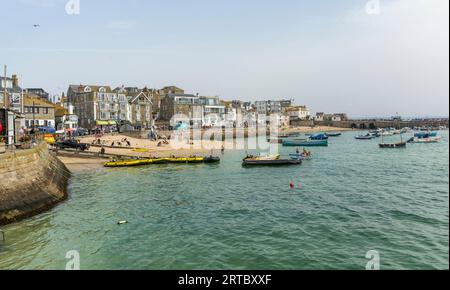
[15,81]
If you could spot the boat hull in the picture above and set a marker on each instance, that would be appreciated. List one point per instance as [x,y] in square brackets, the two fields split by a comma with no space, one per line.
[425,140]
[279,162]
[393,145]
[151,161]
[311,143]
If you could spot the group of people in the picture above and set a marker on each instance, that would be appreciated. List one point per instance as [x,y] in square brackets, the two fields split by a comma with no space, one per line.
[305,152]
[122,142]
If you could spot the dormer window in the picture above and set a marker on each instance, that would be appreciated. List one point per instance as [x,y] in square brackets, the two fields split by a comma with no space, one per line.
[87,89]
[102,90]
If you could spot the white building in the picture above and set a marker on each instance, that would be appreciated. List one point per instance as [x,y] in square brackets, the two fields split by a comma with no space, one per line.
[213,111]
[298,112]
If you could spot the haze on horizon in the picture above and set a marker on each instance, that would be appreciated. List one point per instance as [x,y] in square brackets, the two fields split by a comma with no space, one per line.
[333,57]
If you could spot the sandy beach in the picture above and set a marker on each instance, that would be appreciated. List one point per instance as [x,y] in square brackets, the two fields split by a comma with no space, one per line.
[145,148]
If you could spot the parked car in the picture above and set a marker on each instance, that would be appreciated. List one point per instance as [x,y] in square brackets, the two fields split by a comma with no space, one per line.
[72,144]
[81,132]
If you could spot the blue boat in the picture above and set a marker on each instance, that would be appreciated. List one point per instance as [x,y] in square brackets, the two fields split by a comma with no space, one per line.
[425,135]
[306,143]
[319,136]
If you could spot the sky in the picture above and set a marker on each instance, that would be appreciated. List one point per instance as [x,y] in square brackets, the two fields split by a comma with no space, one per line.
[351,56]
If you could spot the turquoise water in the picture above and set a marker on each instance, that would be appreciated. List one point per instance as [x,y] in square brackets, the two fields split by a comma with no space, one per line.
[351,198]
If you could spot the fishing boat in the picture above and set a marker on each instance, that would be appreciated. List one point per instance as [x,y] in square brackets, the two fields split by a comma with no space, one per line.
[306,143]
[333,134]
[278,162]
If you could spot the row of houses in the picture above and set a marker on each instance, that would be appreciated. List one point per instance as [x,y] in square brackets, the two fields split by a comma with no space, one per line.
[94,106]
[337,117]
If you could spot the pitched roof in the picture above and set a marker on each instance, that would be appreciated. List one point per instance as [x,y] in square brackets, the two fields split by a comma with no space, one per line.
[37,102]
[60,111]
[94,88]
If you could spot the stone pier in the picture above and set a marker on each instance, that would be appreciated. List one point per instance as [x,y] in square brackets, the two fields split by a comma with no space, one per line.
[31,182]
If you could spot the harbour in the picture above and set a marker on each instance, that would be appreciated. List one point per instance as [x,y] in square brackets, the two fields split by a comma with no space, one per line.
[227,216]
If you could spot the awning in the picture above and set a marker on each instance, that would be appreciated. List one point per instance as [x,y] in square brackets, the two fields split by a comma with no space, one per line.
[106,123]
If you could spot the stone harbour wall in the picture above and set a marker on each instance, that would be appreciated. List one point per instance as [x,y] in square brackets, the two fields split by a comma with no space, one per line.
[31,182]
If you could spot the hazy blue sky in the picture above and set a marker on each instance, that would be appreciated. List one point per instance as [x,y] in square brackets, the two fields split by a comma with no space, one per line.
[330,55]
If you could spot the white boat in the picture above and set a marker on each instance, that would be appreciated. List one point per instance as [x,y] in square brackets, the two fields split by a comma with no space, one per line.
[387,133]
[425,140]
[268,157]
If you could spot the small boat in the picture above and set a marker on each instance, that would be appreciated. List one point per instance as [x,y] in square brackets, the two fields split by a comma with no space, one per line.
[387,133]
[400,144]
[365,137]
[268,157]
[211,159]
[319,136]
[425,140]
[332,134]
[278,162]
[425,135]
[393,145]
[306,143]
[300,156]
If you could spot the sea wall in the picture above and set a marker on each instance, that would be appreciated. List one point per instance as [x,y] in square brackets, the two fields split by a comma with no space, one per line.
[31,182]
[372,124]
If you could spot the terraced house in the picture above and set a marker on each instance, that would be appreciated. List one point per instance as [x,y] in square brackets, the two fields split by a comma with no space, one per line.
[139,111]
[175,106]
[99,106]
[38,112]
